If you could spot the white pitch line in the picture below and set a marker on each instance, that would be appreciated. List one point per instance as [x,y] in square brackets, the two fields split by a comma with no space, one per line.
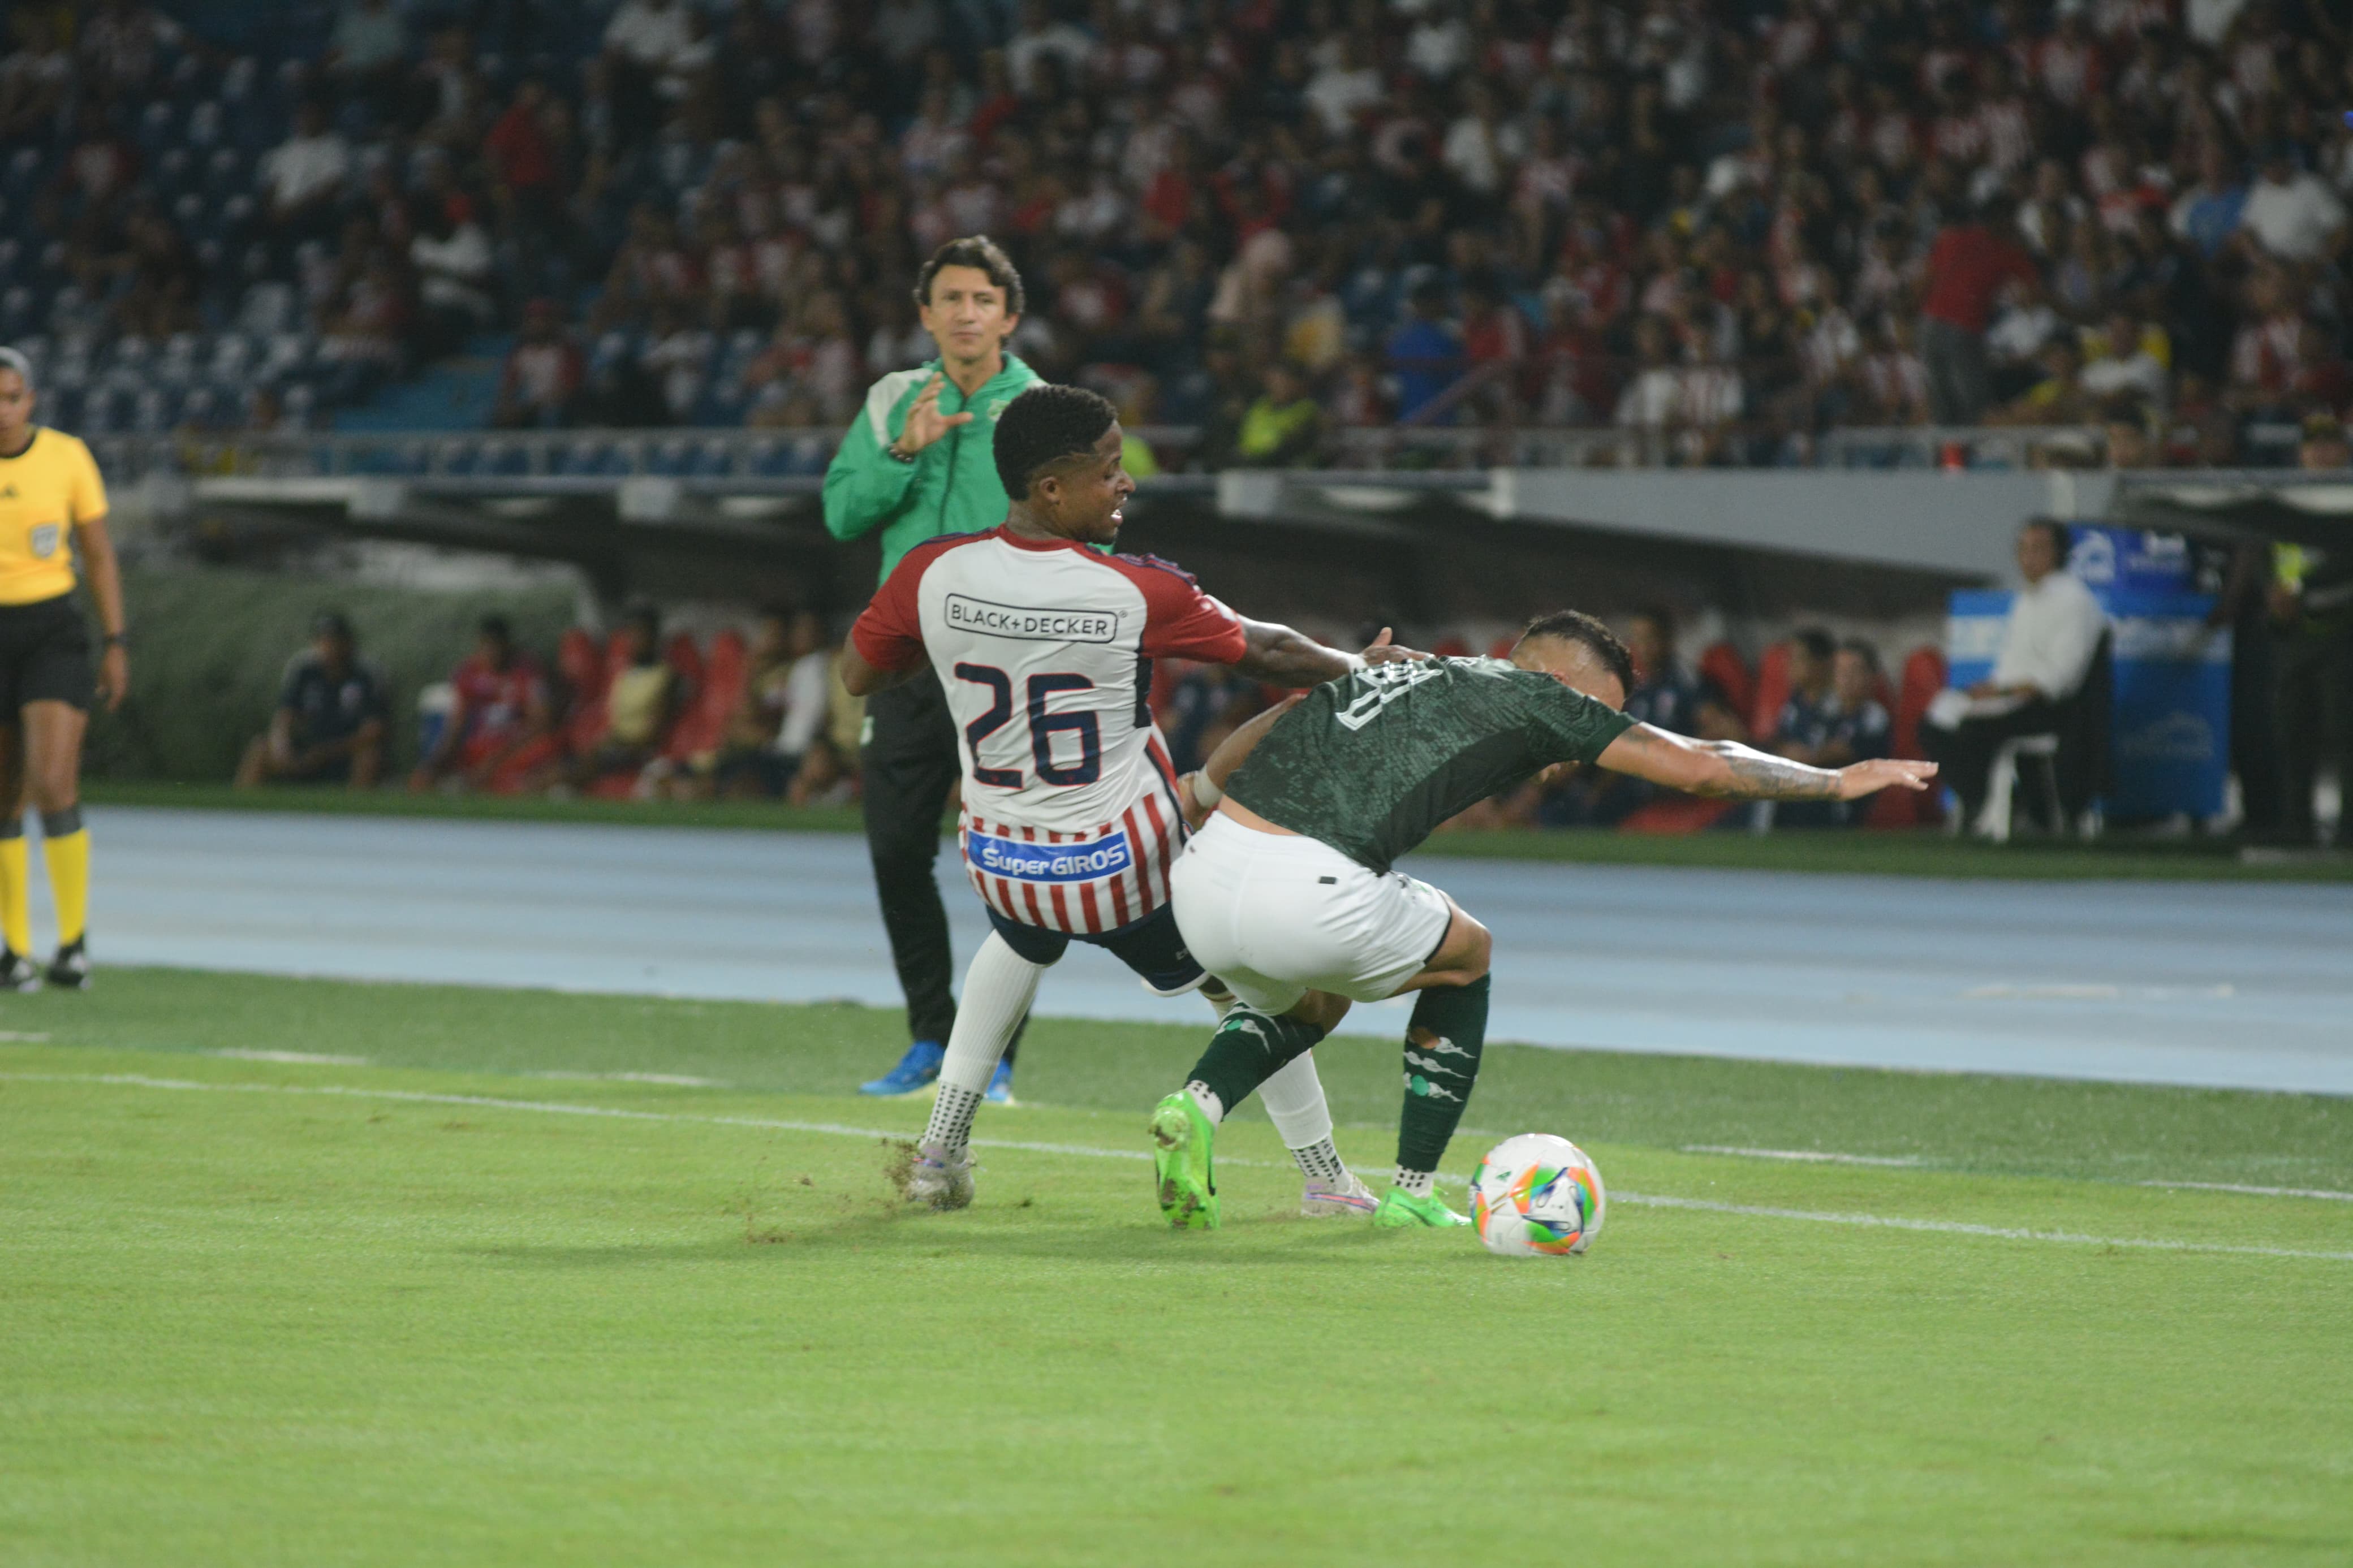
[2254,1191]
[835,1129]
[1960,1228]
[1811,1156]
[301,1059]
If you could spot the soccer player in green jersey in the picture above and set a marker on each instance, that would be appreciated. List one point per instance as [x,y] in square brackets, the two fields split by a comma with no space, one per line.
[1287,893]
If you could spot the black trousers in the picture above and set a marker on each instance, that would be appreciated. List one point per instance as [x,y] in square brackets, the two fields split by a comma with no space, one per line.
[2254,724]
[1964,755]
[2315,723]
[910,765]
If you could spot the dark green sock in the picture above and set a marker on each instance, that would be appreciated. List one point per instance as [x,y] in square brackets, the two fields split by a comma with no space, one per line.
[1248,1049]
[1441,1061]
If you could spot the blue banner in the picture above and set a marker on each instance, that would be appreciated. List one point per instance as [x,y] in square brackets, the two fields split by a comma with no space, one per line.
[2130,560]
[1048,862]
[2171,740]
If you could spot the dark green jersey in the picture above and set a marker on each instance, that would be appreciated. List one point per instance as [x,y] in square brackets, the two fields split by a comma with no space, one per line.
[1372,763]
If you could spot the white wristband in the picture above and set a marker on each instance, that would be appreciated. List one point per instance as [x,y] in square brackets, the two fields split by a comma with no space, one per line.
[1204,794]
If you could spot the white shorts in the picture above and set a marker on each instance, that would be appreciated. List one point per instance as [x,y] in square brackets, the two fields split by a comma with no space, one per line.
[1275,916]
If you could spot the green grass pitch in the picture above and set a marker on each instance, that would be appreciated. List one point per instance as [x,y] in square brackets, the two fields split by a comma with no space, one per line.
[469,1297]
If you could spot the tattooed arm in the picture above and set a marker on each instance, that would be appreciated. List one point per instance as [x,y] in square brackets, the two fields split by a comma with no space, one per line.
[1281,656]
[1730,771]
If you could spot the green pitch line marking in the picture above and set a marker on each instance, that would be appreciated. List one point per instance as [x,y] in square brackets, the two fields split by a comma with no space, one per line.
[832,1129]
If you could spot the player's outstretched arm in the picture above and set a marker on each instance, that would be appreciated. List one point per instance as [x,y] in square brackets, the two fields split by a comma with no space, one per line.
[1198,793]
[1282,656]
[1726,770]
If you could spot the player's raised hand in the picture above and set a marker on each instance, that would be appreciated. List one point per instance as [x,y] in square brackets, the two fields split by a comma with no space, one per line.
[1860,779]
[925,423]
[1380,650]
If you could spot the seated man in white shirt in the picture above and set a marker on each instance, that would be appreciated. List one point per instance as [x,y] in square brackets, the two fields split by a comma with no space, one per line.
[303,175]
[2047,647]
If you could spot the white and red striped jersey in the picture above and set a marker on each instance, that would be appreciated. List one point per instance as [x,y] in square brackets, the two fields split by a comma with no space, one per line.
[1070,819]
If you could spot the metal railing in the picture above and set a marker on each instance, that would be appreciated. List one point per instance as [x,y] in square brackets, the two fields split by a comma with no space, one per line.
[583,458]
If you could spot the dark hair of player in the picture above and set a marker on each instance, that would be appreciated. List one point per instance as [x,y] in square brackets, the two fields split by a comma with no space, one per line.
[1662,617]
[1817,642]
[496,628]
[982,253]
[1862,651]
[1577,626]
[1044,425]
[2056,532]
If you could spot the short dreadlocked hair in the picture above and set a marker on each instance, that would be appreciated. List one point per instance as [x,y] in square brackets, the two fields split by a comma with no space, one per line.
[1044,425]
[1577,626]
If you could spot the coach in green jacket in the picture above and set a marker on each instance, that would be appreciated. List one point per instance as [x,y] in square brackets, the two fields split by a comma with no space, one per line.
[919,461]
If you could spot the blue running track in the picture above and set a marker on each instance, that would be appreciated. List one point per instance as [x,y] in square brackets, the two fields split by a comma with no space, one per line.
[2241,986]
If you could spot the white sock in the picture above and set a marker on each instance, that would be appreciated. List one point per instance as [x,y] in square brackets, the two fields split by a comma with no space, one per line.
[1211,1106]
[998,991]
[1294,1102]
[1321,1163]
[1417,1184]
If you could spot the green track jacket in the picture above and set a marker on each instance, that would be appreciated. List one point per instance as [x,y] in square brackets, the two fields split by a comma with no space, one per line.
[951,487]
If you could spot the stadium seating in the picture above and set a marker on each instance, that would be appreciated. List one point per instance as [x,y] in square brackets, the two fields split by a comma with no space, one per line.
[1772,689]
[718,691]
[1723,667]
[1766,175]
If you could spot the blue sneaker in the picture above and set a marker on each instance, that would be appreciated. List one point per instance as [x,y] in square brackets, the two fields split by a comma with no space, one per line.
[1001,1085]
[919,1069]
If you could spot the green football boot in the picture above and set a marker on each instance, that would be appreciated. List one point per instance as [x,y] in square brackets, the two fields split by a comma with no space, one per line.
[1400,1209]
[1181,1139]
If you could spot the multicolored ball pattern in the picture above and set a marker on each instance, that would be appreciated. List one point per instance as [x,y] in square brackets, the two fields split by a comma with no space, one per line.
[1535,1195]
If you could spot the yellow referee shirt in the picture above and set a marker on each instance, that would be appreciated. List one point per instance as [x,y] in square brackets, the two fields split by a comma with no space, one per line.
[45,490]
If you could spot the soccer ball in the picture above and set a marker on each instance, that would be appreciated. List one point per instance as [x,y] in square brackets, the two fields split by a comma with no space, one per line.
[1537,1196]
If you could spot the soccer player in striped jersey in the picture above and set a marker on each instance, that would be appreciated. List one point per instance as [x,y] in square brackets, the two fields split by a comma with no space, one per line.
[1071,819]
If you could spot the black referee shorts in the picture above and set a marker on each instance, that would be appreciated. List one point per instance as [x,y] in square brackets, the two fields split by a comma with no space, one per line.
[43,655]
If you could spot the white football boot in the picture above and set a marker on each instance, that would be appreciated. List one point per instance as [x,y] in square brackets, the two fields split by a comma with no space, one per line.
[938,1180]
[1320,1201]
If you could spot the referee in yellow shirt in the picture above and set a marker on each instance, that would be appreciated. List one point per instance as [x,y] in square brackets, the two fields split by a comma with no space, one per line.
[50,500]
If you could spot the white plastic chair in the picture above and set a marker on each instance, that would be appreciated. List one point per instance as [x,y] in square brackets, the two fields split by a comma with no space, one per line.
[1994,822]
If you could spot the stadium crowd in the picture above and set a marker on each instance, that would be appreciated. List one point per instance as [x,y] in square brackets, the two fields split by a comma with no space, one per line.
[1723,227]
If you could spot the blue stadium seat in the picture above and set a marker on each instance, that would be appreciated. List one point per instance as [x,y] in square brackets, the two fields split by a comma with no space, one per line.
[104,410]
[152,410]
[669,458]
[206,124]
[156,127]
[713,461]
[582,458]
[226,174]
